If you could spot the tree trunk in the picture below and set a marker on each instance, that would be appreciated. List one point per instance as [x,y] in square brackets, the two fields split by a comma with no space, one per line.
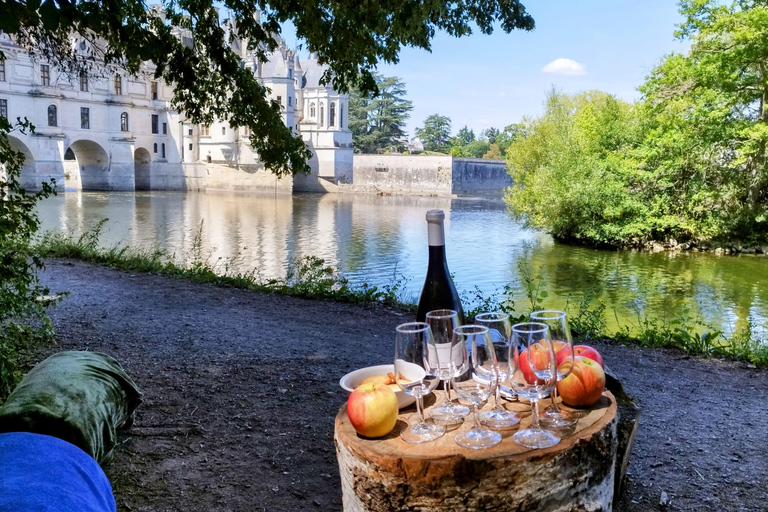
[386,474]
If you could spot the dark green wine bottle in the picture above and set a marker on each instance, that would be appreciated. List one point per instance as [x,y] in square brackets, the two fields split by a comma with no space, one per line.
[438,291]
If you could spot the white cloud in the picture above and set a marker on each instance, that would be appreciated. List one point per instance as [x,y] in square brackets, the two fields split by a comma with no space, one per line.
[502,94]
[564,67]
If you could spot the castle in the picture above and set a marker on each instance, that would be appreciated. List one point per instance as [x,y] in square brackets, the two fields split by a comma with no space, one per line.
[111,131]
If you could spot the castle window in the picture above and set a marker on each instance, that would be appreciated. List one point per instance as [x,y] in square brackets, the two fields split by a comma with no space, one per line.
[162,147]
[205,130]
[280,101]
[124,122]
[190,146]
[118,84]
[153,90]
[165,129]
[154,124]
[45,75]
[322,115]
[190,132]
[332,114]
[223,130]
[4,109]
[2,71]
[290,74]
[85,118]
[83,82]
[341,116]
[312,110]
[52,117]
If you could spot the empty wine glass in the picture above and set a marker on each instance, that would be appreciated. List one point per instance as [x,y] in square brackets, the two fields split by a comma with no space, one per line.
[499,331]
[477,391]
[534,377]
[554,417]
[453,362]
[414,375]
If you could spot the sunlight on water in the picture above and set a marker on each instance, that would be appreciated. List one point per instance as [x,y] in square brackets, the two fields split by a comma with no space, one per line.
[378,239]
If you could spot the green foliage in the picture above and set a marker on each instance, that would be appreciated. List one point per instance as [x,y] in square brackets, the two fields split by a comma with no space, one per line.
[489,135]
[571,174]
[378,121]
[435,133]
[588,322]
[23,321]
[535,286]
[493,152]
[207,76]
[689,162]
[464,137]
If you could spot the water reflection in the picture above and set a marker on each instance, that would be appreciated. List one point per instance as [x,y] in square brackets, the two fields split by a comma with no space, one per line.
[375,239]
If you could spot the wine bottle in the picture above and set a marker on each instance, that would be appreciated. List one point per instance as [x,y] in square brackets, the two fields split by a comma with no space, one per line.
[438,291]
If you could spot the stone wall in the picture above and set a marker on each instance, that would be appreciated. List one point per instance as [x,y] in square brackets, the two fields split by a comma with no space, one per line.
[479,174]
[400,174]
[426,175]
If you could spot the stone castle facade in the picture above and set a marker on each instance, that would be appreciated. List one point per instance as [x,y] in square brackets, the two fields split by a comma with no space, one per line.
[112,131]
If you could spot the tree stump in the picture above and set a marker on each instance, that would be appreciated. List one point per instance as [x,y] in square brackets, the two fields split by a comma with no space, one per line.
[388,474]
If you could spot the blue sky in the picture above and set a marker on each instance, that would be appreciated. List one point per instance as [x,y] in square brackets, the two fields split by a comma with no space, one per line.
[495,80]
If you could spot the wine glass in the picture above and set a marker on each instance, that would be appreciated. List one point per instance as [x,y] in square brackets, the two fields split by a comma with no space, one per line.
[534,377]
[553,416]
[415,376]
[476,391]
[453,362]
[499,331]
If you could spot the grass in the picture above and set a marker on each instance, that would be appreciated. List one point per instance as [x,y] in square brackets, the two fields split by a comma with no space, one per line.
[310,277]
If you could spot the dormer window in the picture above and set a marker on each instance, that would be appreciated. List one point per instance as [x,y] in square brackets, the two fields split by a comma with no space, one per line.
[83,82]
[332,114]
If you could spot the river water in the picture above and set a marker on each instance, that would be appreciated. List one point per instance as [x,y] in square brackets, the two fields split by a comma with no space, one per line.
[379,240]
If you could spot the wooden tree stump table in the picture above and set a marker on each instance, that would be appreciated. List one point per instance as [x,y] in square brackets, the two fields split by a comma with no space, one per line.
[388,474]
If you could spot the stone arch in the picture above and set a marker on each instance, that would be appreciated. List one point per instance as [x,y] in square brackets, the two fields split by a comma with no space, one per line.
[141,165]
[28,176]
[92,165]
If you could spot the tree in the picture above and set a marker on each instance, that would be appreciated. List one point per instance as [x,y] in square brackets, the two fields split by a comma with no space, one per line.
[493,152]
[465,136]
[476,149]
[378,121]
[571,172]
[205,71]
[490,134]
[705,147]
[435,133]
[508,136]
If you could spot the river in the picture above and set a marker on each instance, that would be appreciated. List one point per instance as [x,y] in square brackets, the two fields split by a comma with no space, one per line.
[378,240]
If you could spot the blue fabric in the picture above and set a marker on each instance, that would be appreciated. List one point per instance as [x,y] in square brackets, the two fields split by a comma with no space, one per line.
[40,473]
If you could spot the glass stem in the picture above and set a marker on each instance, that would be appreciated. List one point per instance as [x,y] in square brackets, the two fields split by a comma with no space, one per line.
[477,418]
[497,393]
[418,410]
[555,407]
[534,415]
[447,387]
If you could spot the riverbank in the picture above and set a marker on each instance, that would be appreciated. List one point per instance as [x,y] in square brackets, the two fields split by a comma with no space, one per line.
[241,389]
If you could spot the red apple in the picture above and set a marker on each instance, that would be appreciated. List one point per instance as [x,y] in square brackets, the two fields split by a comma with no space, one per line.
[373,409]
[584,385]
[580,350]
[539,359]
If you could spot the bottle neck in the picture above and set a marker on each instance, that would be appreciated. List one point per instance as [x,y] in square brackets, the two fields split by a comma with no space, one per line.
[435,234]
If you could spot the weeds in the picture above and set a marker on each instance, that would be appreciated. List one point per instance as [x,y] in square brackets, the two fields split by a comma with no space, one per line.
[311,277]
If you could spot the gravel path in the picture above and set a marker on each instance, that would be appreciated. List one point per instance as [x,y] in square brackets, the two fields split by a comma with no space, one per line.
[241,391]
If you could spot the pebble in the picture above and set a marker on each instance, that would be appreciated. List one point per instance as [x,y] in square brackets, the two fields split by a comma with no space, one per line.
[664,500]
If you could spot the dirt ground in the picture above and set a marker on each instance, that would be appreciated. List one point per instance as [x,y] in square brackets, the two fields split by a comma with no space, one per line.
[241,390]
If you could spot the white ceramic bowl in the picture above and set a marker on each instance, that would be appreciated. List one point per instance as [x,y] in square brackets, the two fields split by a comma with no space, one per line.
[351,380]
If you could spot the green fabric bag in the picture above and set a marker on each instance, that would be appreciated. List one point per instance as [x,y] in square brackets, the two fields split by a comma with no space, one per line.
[80,397]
